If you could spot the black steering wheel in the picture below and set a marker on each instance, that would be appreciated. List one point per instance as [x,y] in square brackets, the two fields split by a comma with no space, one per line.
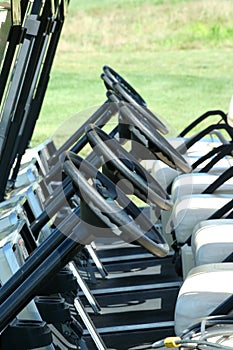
[104,205]
[120,164]
[110,76]
[143,132]
[113,81]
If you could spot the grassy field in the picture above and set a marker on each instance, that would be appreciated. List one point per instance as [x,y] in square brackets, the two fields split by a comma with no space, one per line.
[176,53]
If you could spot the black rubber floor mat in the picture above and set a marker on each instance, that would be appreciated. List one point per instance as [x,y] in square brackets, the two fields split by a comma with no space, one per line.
[119,250]
[135,307]
[137,272]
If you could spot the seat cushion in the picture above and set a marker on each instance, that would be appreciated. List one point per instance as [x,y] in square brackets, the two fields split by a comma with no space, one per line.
[194,183]
[204,289]
[212,241]
[163,173]
[189,211]
[166,175]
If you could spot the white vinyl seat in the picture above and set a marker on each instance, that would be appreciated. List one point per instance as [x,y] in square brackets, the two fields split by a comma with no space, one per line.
[189,211]
[163,173]
[198,149]
[166,175]
[196,183]
[212,241]
[204,289]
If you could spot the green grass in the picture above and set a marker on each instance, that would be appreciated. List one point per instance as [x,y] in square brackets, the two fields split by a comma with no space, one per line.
[177,54]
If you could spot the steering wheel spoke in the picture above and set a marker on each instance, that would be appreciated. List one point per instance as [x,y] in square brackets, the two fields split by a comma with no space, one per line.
[120,164]
[111,208]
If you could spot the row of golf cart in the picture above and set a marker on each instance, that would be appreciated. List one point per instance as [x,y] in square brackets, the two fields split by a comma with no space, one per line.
[121,237]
